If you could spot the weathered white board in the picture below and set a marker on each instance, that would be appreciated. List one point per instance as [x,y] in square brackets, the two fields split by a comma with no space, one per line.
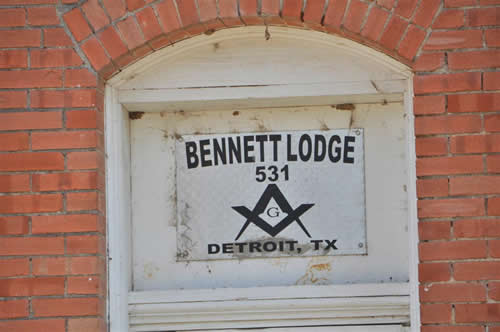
[270,194]
[154,207]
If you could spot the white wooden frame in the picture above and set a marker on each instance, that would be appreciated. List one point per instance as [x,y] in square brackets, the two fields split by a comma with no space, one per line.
[152,308]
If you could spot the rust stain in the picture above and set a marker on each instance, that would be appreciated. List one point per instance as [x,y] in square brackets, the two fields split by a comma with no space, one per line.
[321,267]
[235,113]
[135,115]
[345,107]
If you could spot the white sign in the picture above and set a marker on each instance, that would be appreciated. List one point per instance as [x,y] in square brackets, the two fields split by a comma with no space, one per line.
[271,194]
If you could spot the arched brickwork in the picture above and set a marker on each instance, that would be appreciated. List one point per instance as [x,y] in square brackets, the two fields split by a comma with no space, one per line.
[56,54]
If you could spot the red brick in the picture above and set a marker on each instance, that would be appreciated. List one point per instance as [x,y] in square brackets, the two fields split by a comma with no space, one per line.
[81,119]
[449,165]
[55,58]
[393,33]
[187,12]
[429,62]
[447,82]
[66,307]
[76,78]
[476,102]
[429,105]
[355,16]
[13,309]
[447,124]
[22,246]
[134,4]
[411,42]
[44,325]
[492,37]
[228,9]
[84,285]
[449,19]
[42,16]
[20,38]
[388,4]
[77,24]
[86,324]
[489,2]
[67,265]
[14,267]
[84,244]
[432,187]
[491,81]
[466,249]
[56,37]
[81,201]
[291,8]
[64,181]
[95,14]
[431,272]
[14,183]
[63,98]
[12,99]
[477,313]
[375,23]
[30,203]
[406,7]
[483,16]
[83,160]
[14,225]
[463,292]
[475,185]
[13,59]
[63,140]
[494,248]
[112,42]
[476,270]
[130,32]
[425,12]
[208,9]
[435,313]
[20,79]
[459,3]
[438,208]
[493,163]
[38,161]
[475,144]
[431,146]
[474,60]
[115,8]
[494,290]
[448,328]
[95,53]
[149,23]
[14,142]
[30,120]
[335,13]
[313,12]
[494,206]
[272,7]
[434,230]
[31,286]
[74,223]
[476,228]
[443,40]
[168,15]
[12,17]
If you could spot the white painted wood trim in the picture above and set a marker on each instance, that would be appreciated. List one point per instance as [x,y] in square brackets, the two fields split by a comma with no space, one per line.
[412,210]
[255,312]
[118,210]
[362,328]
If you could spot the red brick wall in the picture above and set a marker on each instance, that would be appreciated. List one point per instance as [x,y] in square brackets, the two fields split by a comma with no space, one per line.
[56,54]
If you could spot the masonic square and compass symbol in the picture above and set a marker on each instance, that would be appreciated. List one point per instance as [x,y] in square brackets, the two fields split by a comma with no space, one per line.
[272,192]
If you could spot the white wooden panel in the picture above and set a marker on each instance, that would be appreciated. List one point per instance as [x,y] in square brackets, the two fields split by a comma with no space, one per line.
[153,197]
[363,328]
[226,59]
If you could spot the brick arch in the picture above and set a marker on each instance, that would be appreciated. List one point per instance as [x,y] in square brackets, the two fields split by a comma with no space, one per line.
[114,33]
